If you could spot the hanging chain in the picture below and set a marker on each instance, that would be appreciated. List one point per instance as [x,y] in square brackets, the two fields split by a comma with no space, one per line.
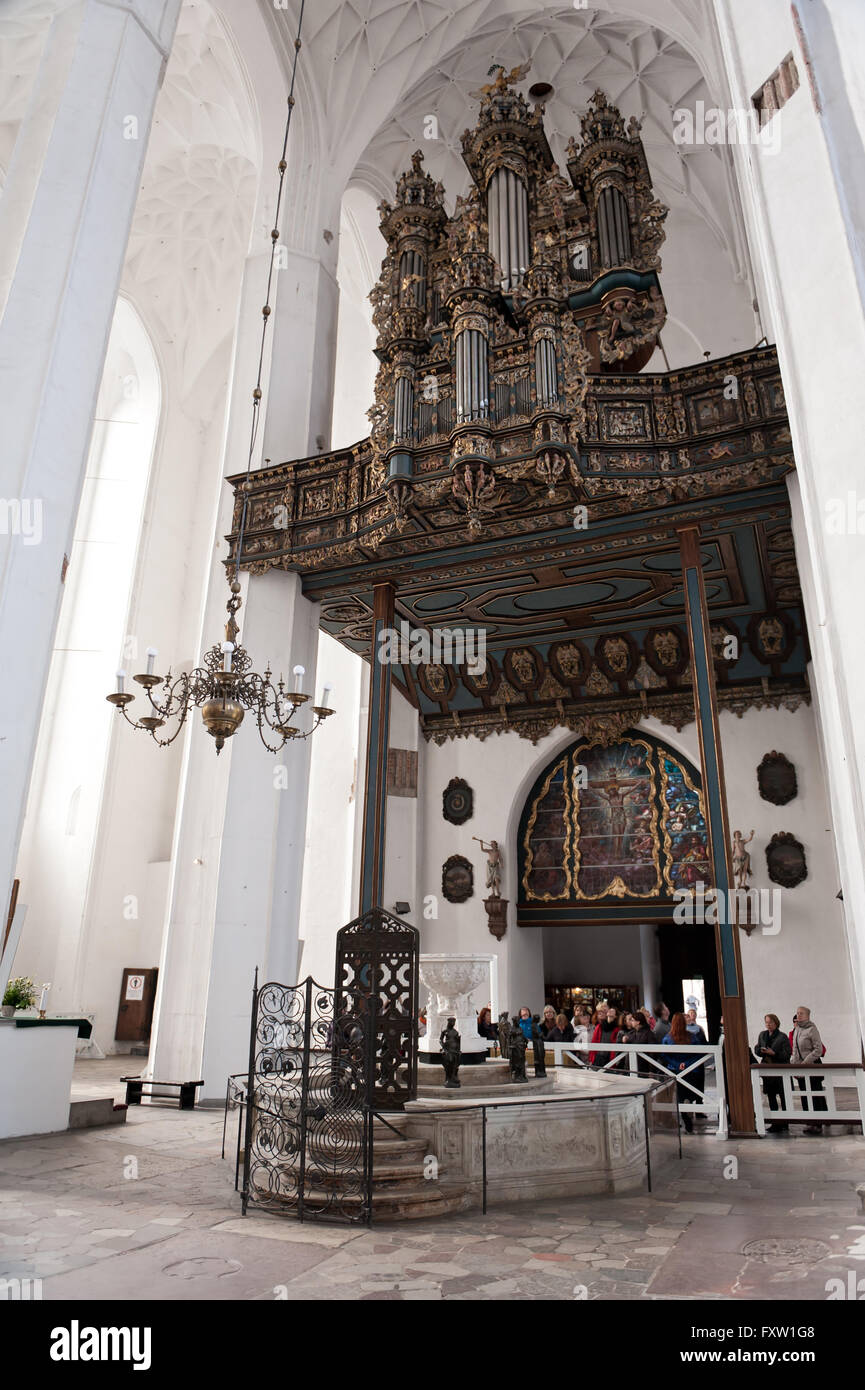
[265,315]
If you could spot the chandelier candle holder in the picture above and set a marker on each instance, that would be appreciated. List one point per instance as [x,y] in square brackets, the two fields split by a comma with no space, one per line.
[224,689]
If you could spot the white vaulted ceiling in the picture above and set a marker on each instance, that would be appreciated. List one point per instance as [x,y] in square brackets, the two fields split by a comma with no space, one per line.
[192,221]
[24,26]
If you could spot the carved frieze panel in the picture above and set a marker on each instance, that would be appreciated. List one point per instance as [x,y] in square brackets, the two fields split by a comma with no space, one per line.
[626,421]
[771,391]
[666,650]
[711,411]
[771,637]
[617,656]
[571,662]
[523,667]
[483,682]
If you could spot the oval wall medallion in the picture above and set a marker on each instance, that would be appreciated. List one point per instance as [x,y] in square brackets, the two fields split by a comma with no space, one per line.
[785,858]
[458,801]
[776,779]
[458,879]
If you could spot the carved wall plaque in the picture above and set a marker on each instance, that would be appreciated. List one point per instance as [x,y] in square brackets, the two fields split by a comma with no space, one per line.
[401,772]
[458,801]
[776,779]
[785,858]
[458,879]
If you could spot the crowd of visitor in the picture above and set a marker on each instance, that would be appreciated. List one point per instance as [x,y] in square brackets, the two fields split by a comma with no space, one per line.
[594,1033]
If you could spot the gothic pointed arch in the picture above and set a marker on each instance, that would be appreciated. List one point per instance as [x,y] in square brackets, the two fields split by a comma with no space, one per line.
[611,833]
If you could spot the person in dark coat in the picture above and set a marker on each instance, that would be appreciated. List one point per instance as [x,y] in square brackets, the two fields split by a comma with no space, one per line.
[486,1027]
[548,1021]
[637,1030]
[563,1032]
[773,1047]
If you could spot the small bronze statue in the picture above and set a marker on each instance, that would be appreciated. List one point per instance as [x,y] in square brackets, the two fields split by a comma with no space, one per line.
[504,1031]
[451,1054]
[538,1046]
[517,1053]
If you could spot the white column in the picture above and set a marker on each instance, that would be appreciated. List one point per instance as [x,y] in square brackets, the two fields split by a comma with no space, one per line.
[300,402]
[650,970]
[108,61]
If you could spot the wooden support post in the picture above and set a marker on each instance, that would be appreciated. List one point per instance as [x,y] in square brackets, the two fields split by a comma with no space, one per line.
[737,1054]
[375,787]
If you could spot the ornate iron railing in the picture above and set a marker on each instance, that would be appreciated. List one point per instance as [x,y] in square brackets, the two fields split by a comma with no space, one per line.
[306,1148]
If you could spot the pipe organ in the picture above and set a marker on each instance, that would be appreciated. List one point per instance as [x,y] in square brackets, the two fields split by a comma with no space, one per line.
[491,320]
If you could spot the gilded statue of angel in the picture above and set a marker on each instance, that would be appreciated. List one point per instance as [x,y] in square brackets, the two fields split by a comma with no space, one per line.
[503,80]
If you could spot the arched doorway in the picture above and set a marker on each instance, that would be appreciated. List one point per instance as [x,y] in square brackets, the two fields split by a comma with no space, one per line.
[608,836]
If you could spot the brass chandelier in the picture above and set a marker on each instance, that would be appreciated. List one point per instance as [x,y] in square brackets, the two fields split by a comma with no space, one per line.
[224,688]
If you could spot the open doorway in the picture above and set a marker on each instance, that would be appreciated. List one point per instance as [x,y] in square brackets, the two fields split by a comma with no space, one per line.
[632,964]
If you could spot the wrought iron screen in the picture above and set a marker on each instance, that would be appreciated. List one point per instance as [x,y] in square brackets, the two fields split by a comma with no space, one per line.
[307,1145]
[377,961]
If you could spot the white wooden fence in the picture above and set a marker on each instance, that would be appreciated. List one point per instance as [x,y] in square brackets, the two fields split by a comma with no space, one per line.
[648,1059]
[833,1076]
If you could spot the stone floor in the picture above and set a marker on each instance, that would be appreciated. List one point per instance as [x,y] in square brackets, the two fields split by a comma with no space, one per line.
[148,1211]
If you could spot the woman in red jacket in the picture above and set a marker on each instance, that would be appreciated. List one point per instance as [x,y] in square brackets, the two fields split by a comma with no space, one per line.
[606,1031]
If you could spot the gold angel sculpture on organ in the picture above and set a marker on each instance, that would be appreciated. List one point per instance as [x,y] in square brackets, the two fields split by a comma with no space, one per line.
[503,80]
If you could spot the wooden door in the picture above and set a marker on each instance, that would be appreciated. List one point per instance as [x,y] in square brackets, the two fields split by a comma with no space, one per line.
[135,1012]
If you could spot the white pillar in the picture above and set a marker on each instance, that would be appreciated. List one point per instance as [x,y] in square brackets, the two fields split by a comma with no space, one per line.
[107,61]
[300,401]
[650,966]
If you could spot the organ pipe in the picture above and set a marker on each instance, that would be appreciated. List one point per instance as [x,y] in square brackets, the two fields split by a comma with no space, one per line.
[403,409]
[508,217]
[546,374]
[412,279]
[472,375]
[614,232]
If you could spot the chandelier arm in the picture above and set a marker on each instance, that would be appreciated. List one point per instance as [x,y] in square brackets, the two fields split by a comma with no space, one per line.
[270,748]
[185,682]
[136,724]
[166,742]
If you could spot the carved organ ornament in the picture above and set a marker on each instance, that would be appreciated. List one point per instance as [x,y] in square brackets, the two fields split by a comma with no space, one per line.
[497,314]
